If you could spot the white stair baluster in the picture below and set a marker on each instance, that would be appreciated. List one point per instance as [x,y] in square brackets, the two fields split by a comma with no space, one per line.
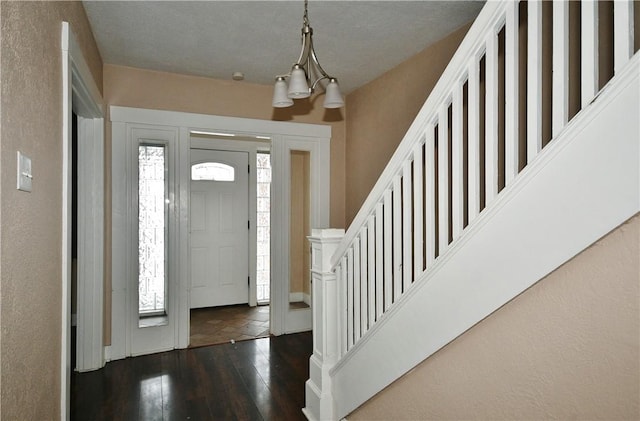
[534,79]
[371,259]
[379,292]
[350,309]
[560,108]
[589,51]
[417,210]
[457,189]
[473,141]
[407,252]
[511,117]
[397,238]
[430,195]
[388,249]
[623,32]
[364,266]
[357,334]
[443,180]
[491,119]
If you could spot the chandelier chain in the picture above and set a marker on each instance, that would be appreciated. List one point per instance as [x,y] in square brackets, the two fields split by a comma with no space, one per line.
[305,18]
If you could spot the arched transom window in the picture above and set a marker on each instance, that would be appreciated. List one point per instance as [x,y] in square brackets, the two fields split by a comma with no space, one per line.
[212,171]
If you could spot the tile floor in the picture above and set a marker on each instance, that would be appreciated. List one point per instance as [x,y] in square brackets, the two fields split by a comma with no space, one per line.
[218,325]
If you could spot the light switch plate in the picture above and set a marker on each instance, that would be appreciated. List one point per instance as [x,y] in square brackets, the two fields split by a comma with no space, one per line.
[24,172]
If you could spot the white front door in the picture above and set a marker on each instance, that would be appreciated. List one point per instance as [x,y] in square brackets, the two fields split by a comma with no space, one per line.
[219,228]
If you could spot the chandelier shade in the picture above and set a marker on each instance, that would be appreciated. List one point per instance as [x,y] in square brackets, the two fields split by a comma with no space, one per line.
[280,95]
[298,83]
[333,97]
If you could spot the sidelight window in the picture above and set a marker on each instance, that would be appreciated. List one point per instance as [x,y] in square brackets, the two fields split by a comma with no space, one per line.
[263,161]
[152,229]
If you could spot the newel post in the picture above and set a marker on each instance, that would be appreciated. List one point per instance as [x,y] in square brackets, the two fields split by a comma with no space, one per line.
[324,306]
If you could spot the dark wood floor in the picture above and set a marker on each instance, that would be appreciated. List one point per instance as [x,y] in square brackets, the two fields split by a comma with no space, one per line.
[260,379]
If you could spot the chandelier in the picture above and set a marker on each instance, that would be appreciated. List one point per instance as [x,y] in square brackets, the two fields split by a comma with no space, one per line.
[305,75]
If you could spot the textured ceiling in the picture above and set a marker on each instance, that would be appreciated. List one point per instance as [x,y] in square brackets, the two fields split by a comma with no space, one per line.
[356,41]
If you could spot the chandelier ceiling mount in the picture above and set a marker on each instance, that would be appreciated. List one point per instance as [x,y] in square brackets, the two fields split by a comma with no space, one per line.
[305,75]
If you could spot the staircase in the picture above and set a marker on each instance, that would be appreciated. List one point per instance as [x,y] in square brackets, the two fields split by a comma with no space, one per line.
[498,181]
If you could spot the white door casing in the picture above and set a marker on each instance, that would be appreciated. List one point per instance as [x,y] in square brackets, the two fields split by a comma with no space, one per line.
[219,232]
[286,319]
[81,95]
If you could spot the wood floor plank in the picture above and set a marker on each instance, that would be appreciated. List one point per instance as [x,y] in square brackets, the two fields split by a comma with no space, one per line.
[250,380]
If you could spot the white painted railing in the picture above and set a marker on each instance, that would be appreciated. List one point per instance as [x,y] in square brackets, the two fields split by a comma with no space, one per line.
[420,206]
[479,128]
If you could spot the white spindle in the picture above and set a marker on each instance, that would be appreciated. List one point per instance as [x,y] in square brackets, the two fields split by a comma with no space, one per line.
[350,309]
[443,180]
[407,228]
[388,250]
[356,289]
[371,283]
[589,51]
[379,293]
[397,237]
[491,119]
[560,108]
[417,210]
[457,163]
[342,306]
[623,32]
[430,195]
[364,266]
[511,93]
[473,141]
[534,79]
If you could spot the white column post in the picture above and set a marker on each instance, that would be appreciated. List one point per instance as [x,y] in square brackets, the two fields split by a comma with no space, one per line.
[324,305]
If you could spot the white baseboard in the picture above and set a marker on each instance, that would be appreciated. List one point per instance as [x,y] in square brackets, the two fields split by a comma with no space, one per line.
[300,297]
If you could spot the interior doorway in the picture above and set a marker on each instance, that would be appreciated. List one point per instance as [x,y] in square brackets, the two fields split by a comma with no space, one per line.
[229,242]
[182,132]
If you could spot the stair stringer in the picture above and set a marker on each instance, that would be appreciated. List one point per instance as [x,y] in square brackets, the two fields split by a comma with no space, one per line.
[584,184]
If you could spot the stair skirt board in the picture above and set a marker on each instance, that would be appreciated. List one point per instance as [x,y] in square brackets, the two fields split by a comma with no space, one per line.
[584,184]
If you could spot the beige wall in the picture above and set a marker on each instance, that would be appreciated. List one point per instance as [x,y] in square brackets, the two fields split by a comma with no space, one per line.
[567,348]
[30,229]
[380,113]
[299,270]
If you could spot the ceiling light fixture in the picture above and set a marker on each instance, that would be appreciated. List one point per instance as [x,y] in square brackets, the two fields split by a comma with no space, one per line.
[305,75]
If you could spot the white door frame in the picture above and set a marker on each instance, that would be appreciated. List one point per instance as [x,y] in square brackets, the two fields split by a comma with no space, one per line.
[146,340]
[252,147]
[241,128]
[81,95]
[296,320]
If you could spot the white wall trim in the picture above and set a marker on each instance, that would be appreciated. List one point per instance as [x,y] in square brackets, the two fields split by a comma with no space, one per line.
[81,94]
[90,275]
[218,124]
[577,190]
